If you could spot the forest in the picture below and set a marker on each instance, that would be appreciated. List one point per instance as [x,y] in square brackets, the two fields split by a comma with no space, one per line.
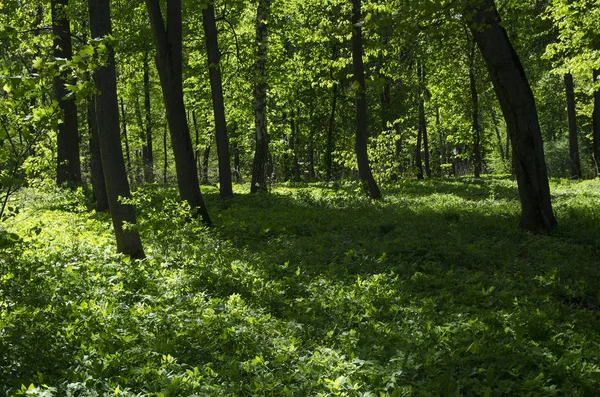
[299,198]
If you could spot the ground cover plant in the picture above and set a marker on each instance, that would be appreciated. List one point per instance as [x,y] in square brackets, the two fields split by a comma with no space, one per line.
[311,290]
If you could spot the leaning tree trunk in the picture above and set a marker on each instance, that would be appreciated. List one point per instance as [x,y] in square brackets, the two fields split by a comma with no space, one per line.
[362,134]
[261,154]
[518,106]
[216,85]
[68,168]
[169,62]
[575,164]
[107,121]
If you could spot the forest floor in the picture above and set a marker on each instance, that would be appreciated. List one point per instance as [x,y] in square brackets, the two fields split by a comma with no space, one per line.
[312,290]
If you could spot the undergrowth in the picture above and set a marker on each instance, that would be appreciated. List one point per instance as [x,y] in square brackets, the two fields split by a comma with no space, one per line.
[311,290]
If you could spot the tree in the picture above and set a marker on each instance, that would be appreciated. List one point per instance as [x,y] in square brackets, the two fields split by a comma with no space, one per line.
[261,153]
[216,85]
[68,163]
[519,110]
[107,121]
[574,163]
[362,135]
[169,62]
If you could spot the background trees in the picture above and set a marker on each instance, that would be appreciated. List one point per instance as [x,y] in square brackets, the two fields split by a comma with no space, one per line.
[431,105]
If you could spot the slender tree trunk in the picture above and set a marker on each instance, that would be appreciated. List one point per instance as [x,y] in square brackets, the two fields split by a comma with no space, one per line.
[96,171]
[294,147]
[107,120]
[492,113]
[423,121]
[418,157]
[165,155]
[475,115]
[205,159]
[236,155]
[197,137]
[216,85]
[362,134]
[261,154]
[574,162]
[596,121]
[147,152]
[68,163]
[442,138]
[330,137]
[518,106]
[169,62]
[124,121]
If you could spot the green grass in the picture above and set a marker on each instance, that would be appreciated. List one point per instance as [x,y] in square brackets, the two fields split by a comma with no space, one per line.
[312,290]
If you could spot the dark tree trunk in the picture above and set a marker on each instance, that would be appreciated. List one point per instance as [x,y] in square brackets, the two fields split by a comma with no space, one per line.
[169,62]
[147,152]
[475,115]
[596,122]
[518,106]
[442,138]
[261,154]
[216,85]
[362,134]
[574,162]
[125,137]
[423,121]
[96,171]
[68,168]
[107,120]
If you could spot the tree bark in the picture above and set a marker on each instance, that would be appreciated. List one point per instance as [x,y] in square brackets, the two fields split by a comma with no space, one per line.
[107,120]
[147,152]
[96,171]
[169,62]
[294,147]
[596,120]
[519,109]
[362,135]
[574,163]
[205,159]
[423,122]
[125,137]
[68,168]
[216,85]
[475,116]
[261,154]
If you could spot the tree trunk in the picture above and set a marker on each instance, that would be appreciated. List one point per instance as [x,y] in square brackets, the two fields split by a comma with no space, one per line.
[205,159]
[492,113]
[362,134]
[596,119]
[216,85]
[124,120]
[165,155]
[294,147]
[423,122]
[475,115]
[96,171]
[107,120]
[518,106]
[261,154]
[147,152]
[169,63]
[68,168]
[330,140]
[575,164]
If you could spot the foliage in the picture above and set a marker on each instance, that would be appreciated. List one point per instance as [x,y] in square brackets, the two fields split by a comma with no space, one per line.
[311,290]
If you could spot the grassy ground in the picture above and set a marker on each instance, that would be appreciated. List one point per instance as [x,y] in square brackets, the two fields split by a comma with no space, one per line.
[312,290]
